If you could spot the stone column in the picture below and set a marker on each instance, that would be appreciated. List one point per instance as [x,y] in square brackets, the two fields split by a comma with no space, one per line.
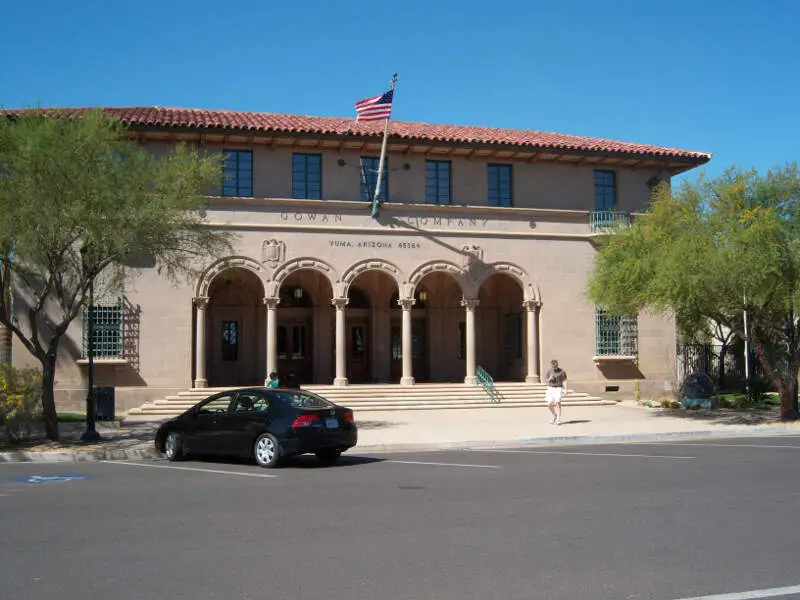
[200,380]
[341,346]
[470,304]
[272,336]
[532,351]
[408,366]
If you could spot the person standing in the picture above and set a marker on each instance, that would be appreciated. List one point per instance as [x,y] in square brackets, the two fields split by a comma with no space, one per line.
[273,380]
[556,379]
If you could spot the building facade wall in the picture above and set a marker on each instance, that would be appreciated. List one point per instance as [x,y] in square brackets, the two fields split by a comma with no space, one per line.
[544,245]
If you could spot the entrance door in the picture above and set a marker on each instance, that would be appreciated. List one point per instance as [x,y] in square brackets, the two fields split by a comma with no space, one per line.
[419,362]
[358,351]
[232,346]
[294,350]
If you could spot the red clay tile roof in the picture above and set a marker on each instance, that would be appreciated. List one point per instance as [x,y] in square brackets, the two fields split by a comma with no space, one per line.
[156,116]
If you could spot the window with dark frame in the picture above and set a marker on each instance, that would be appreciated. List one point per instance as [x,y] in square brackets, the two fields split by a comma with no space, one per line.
[307,176]
[230,341]
[238,173]
[369,178]
[500,191]
[605,190]
[438,182]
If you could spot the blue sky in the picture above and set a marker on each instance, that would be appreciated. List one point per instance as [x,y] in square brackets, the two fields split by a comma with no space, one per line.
[717,76]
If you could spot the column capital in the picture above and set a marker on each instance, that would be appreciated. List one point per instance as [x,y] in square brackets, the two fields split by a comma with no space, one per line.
[470,303]
[339,303]
[271,302]
[201,301]
[406,303]
[531,305]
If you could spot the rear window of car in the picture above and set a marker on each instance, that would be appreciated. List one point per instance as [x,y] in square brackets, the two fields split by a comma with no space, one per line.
[304,400]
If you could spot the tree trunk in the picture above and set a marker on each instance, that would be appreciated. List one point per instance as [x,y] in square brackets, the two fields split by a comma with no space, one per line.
[787,396]
[48,396]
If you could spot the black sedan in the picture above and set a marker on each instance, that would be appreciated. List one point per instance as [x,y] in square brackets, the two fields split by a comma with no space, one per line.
[267,424]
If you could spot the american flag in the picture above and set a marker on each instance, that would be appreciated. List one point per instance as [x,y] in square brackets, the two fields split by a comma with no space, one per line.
[375,108]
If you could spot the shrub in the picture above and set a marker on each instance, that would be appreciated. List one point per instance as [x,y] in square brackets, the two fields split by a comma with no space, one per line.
[20,401]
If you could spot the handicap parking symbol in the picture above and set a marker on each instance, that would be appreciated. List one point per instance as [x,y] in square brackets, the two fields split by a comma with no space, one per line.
[58,478]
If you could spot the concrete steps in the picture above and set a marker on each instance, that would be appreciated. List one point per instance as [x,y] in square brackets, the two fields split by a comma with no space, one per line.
[383,397]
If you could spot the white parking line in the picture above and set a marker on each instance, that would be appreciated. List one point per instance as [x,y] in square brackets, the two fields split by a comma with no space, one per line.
[585,453]
[218,471]
[713,444]
[441,464]
[752,595]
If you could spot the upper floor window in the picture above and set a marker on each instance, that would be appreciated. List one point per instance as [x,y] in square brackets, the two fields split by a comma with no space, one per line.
[499,185]
[605,190]
[369,178]
[238,173]
[438,182]
[307,176]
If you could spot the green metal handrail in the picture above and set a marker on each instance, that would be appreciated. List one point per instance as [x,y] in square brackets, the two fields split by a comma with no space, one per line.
[486,382]
[608,219]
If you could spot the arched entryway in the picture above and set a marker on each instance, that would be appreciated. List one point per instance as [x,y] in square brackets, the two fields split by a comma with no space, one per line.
[368,327]
[304,327]
[444,327]
[500,337]
[235,329]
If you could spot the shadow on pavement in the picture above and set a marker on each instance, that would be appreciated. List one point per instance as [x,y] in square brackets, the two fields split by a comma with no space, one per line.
[575,421]
[375,424]
[721,416]
[304,461]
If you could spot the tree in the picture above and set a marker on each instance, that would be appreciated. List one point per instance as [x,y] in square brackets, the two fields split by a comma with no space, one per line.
[711,250]
[77,199]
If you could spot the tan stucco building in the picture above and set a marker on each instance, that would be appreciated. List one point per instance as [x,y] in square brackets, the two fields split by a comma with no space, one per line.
[478,258]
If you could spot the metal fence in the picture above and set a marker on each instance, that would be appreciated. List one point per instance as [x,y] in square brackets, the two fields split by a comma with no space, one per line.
[724,365]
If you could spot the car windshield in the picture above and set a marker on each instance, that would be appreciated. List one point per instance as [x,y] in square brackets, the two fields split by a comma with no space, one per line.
[304,400]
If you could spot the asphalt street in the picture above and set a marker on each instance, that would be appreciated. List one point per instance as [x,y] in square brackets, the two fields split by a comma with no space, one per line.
[665,521]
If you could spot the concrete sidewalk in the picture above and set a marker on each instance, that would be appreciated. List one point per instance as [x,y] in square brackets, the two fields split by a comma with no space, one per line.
[442,429]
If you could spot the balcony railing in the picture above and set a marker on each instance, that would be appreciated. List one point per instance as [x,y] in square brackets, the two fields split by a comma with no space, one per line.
[603,220]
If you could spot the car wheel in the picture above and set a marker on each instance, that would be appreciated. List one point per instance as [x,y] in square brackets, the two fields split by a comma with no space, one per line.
[267,451]
[173,447]
[328,456]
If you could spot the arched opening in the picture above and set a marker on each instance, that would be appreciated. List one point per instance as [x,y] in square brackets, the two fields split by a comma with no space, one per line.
[235,329]
[304,327]
[500,328]
[441,327]
[368,327]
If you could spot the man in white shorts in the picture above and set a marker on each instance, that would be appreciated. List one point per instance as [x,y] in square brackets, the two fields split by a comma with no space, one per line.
[556,379]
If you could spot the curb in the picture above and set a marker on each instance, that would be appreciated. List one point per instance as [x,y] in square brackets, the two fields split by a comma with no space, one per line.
[574,440]
[24,457]
[567,440]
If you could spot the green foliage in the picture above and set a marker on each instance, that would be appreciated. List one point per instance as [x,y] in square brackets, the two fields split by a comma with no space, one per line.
[698,252]
[77,198]
[20,399]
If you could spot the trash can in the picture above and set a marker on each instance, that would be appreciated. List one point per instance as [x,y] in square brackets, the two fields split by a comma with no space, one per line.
[104,403]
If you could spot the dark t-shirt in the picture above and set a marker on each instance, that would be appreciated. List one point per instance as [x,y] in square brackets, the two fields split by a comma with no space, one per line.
[556,377]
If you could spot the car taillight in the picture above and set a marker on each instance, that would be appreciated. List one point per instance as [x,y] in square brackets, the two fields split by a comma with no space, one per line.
[305,421]
[348,418]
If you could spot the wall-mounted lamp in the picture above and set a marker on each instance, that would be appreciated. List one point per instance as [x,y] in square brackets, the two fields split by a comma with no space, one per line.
[423,295]
[298,293]
[406,166]
[341,162]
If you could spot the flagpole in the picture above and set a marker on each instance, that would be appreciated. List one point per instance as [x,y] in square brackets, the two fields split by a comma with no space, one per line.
[377,195]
